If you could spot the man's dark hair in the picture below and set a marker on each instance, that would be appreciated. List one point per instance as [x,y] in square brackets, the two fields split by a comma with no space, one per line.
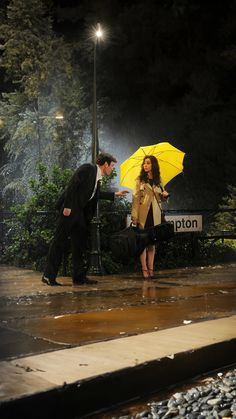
[102,158]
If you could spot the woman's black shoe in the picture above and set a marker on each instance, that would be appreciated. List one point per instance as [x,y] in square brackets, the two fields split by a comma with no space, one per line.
[84,281]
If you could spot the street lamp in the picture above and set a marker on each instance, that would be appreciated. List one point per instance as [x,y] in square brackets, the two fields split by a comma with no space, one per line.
[95,262]
[95,145]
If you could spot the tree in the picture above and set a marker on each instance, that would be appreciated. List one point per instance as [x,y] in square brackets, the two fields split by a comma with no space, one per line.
[226,220]
[43,81]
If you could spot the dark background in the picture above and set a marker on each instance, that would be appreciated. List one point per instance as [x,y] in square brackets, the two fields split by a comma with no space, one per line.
[167,72]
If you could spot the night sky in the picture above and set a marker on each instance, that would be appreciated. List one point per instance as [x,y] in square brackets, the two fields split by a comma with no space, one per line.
[165,72]
[168,71]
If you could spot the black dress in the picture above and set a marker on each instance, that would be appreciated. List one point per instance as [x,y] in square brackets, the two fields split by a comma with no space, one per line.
[149,221]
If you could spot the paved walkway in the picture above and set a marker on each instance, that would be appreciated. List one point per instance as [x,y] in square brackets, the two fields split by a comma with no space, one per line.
[46,371]
[56,338]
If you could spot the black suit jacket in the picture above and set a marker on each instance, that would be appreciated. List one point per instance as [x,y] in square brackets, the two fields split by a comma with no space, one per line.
[78,193]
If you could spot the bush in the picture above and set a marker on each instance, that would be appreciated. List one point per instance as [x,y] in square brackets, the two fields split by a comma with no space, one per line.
[30,230]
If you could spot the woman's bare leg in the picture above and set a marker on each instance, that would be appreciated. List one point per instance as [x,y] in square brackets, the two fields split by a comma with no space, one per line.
[143,261]
[150,259]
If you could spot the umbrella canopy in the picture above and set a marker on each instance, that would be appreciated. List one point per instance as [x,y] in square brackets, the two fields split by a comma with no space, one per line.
[170,161]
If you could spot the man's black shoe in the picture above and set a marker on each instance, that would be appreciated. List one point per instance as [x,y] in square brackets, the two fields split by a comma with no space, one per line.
[84,281]
[51,282]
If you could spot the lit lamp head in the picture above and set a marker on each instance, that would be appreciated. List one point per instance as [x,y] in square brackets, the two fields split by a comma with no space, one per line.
[98,32]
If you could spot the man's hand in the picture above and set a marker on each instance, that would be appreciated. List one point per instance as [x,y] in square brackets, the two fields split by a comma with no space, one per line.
[66,212]
[121,193]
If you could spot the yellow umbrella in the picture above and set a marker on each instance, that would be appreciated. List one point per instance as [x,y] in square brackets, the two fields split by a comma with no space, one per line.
[170,161]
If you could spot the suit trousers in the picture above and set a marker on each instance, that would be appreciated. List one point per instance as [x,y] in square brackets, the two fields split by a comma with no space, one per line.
[68,232]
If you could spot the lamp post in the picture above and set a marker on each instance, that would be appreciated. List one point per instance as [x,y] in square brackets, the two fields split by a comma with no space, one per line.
[95,262]
[95,144]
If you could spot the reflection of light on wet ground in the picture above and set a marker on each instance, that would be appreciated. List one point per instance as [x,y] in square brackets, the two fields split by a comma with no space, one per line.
[81,328]
[35,318]
[56,304]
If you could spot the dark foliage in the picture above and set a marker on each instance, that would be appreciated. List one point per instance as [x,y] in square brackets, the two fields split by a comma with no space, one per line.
[29,231]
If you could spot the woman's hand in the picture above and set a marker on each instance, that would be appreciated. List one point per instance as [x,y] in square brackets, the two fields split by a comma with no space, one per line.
[165,194]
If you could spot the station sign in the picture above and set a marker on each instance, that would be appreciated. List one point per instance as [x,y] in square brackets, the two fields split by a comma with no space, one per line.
[182,223]
[185,223]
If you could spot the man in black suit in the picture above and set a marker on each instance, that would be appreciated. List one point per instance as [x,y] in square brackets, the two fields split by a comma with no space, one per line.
[77,206]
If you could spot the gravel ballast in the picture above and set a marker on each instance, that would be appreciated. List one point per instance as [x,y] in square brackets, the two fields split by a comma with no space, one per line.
[215,398]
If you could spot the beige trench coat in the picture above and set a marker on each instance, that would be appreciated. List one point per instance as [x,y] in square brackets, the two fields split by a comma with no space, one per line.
[143,197]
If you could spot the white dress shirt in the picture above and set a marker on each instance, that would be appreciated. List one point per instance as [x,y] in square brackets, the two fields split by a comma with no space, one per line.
[98,177]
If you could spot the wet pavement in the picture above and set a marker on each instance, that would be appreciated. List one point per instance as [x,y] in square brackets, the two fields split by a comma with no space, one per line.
[184,315]
[35,318]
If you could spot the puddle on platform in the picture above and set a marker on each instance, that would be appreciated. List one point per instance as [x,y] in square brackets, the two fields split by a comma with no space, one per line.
[84,328]
[36,318]
[145,293]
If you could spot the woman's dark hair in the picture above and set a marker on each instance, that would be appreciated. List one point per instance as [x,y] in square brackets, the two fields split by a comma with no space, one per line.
[155,171]
[102,158]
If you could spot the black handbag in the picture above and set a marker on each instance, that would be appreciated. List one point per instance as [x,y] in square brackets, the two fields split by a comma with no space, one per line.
[130,242]
[163,219]
[163,232]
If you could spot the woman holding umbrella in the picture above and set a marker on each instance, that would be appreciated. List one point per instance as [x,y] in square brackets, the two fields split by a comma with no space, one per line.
[146,206]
